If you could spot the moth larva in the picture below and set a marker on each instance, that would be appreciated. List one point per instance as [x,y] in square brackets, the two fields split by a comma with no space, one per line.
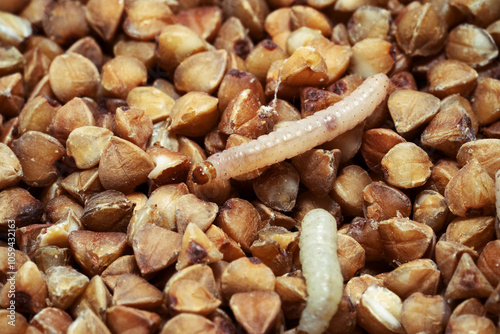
[321,269]
[297,138]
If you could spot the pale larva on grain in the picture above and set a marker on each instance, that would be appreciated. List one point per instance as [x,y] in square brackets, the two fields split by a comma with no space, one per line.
[321,269]
[297,138]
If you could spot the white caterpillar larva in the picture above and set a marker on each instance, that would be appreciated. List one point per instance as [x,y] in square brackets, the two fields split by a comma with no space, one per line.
[321,269]
[297,138]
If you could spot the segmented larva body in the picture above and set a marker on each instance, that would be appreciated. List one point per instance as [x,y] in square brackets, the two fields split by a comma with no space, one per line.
[297,138]
[321,269]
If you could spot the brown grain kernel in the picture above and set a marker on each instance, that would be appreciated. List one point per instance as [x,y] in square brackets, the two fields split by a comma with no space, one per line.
[274,86]
[450,77]
[365,232]
[422,313]
[484,151]
[164,253]
[26,237]
[19,258]
[229,248]
[157,104]
[11,95]
[449,130]
[215,141]
[410,109]
[194,114]
[64,285]
[336,57]
[472,45]
[170,166]
[368,311]
[48,47]
[12,60]
[72,75]
[494,30]
[292,292]
[37,153]
[368,22]
[442,172]
[95,298]
[201,273]
[233,83]
[485,102]
[50,256]
[473,232]
[488,262]
[351,256]
[94,251]
[304,67]
[370,56]
[123,165]
[196,248]
[278,187]
[468,281]
[10,168]
[51,320]
[357,285]
[125,264]
[256,311]
[58,233]
[216,191]
[75,113]
[190,296]
[315,99]
[430,208]
[272,249]
[466,322]
[405,240]
[42,88]
[205,21]
[82,184]
[121,74]
[88,47]
[85,145]
[104,17]
[318,169]
[284,111]
[212,63]
[31,289]
[123,318]
[406,165]
[134,291]
[420,276]
[421,31]
[301,37]
[478,15]
[340,35]
[233,37]
[464,195]
[65,21]
[376,143]
[146,18]
[164,198]
[21,324]
[243,231]
[448,253]
[278,21]
[190,209]
[37,114]
[307,201]
[348,189]
[134,125]
[493,301]
[88,321]
[107,211]
[304,16]
[176,43]
[251,13]
[245,275]
[245,116]
[144,51]
[36,67]
[186,322]
[382,202]
[261,57]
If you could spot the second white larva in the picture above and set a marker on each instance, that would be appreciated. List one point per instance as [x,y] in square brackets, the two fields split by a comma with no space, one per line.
[321,269]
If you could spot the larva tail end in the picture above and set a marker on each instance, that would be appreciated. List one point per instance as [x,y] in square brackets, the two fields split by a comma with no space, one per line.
[204,173]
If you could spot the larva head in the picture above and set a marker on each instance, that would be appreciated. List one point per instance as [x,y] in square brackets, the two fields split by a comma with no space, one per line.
[204,173]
